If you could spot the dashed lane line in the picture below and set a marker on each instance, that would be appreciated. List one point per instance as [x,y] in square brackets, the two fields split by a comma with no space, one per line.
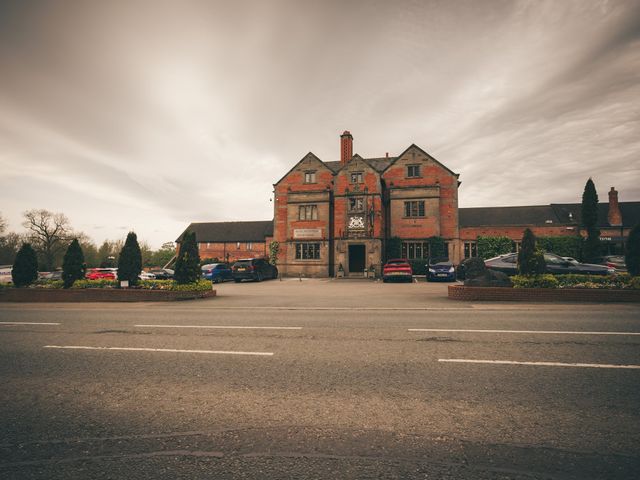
[544,332]
[171,350]
[240,327]
[28,323]
[539,364]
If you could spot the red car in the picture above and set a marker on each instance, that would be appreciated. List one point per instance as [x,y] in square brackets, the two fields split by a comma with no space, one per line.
[101,273]
[397,269]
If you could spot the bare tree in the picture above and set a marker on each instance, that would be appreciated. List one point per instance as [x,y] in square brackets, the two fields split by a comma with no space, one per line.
[3,225]
[49,234]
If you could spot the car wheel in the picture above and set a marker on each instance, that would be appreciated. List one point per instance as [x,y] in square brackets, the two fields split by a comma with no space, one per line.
[385,280]
[259,277]
[217,280]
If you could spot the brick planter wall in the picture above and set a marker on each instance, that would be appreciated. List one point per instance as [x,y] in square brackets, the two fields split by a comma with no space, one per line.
[41,295]
[460,292]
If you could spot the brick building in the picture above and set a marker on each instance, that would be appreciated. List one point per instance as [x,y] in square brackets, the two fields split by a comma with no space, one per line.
[340,214]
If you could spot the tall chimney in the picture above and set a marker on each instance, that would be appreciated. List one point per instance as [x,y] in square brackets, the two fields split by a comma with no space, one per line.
[614,216]
[346,147]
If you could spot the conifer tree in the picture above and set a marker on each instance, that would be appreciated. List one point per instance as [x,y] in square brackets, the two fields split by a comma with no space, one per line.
[25,266]
[591,248]
[632,257]
[188,261]
[130,260]
[530,259]
[73,267]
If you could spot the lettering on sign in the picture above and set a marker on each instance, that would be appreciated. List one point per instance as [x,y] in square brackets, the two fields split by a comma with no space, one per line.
[300,233]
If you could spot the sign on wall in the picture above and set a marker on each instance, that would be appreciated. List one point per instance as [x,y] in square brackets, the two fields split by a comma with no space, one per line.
[304,233]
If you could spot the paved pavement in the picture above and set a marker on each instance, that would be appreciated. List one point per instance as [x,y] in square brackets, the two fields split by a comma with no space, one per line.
[320,379]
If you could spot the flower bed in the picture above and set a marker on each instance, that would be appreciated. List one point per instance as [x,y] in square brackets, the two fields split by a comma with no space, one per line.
[607,282]
[107,291]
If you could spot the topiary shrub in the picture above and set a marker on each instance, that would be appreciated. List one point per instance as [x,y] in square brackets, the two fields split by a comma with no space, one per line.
[188,260]
[130,260]
[393,248]
[474,267]
[530,259]
[25,266]
[73,264]
[632,253]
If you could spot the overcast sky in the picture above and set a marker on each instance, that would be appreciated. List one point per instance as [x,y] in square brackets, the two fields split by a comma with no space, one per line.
[146,116]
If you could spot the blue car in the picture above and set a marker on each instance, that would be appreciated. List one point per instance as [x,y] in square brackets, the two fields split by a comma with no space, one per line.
[440,269]
[216,272]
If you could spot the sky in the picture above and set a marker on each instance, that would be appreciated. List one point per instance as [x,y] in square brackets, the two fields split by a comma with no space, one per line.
[148,115]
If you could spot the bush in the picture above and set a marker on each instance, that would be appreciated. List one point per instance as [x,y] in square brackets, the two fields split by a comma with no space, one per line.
[535,281]
[563,246]
[489,247]
[100,283]
[437,247]
[130,260]
[530,259]
[188,261]
[632,254]
[73,264]
[25,267]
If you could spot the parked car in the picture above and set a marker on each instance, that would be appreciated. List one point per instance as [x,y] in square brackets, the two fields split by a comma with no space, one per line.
[5,274]
[508,263]
[217,272]
[146,276]
[440,269]
[614,261]
[101,274]
[256,269]
[163,273]
[397,269]
[55,275]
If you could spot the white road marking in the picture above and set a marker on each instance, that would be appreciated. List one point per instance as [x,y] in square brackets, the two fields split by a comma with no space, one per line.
[550,332]
[218,326]
[27,323]
[542,364]
[174,350]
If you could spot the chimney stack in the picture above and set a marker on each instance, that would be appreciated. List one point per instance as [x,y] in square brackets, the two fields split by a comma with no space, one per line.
[614,217]
[346,147]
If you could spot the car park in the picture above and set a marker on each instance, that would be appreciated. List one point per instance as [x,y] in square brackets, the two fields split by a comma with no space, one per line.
[440,269]
[256,269]
[397,269]
[508,263]
[217,272]
[55,275]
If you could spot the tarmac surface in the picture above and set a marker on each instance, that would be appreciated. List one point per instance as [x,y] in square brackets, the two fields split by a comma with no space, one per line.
[320,379]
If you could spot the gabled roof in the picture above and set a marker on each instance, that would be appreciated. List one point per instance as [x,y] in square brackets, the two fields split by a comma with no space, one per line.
[307,156]
[558,213]
[379,164]
[413,145]
[230,231]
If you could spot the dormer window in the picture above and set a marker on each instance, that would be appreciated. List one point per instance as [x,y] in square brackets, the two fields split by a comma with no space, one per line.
[356,177]
[310,176]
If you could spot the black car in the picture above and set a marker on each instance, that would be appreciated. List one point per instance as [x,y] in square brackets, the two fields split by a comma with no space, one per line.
[440,269]
[163,273]
[555,264]
[256,269]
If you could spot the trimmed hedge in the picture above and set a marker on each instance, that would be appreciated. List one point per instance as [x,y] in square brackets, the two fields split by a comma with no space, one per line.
[563,246]
[609,282]
[489,247]
[199,286]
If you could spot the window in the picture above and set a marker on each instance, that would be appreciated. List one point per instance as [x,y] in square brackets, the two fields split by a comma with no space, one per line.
[414,208]
[237,245]
[356,204]
[413,171]
[307,251]
[310,177]
[356,177]
[470,249]
[249,246]
[415,250]
[308,212]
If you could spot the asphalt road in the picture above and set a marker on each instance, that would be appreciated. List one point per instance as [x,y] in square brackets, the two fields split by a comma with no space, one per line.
[358,380]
